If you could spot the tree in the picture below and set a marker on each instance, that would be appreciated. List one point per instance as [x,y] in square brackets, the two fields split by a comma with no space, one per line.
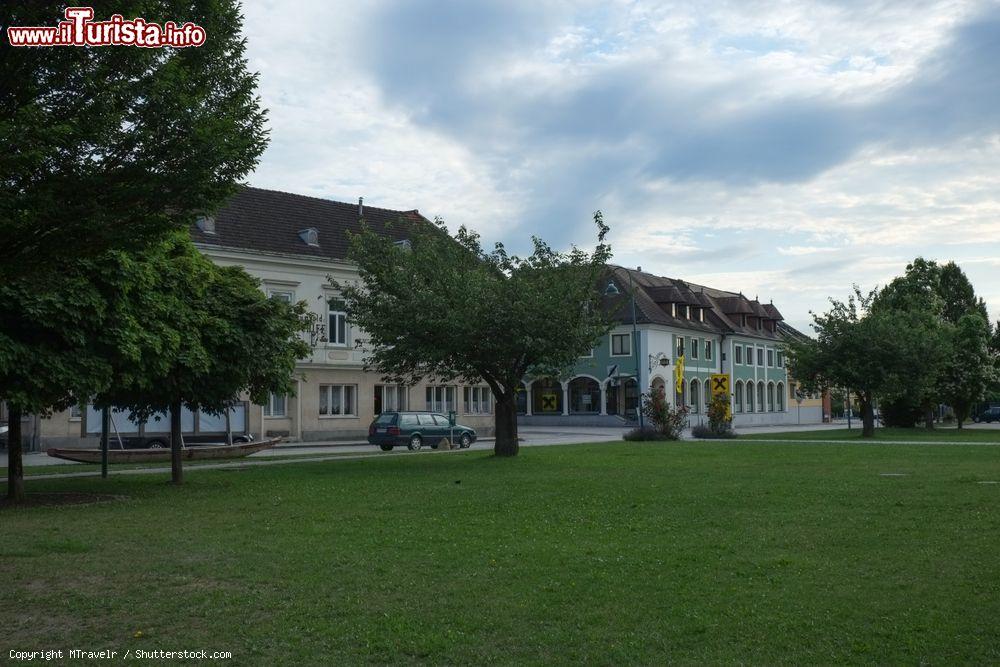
[970,368]
[443,307]
[217,336]
[45,360]
[870,352]
[944,295]
[110,148]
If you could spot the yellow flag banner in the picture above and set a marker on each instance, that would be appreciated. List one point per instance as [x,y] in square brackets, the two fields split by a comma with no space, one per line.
[679,374]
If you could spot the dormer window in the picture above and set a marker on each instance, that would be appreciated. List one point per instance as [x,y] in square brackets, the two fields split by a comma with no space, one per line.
[206,224]
[404,244]
[310,237]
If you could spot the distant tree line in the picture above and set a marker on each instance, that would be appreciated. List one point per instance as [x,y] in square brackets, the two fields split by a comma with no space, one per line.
[923,340]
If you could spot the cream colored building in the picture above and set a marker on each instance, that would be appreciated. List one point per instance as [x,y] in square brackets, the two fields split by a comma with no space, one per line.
[296,245]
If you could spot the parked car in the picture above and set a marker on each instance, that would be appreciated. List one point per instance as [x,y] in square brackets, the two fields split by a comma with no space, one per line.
[988,415]
[416,429]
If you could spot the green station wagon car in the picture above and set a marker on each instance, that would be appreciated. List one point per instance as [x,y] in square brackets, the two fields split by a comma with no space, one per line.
[416,429]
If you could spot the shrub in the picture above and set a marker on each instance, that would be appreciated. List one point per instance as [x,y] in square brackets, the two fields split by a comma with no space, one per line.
[706,432]
[663,419]
[720,420]
[646,434]
[900,412]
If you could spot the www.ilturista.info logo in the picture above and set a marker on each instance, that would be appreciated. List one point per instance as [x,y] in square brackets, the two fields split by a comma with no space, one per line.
[79,29]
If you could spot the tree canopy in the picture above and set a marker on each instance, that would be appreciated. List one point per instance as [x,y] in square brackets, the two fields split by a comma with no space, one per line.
[109,148]
[443,307]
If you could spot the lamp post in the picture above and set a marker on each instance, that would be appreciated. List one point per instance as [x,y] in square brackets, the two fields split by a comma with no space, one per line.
[612,290]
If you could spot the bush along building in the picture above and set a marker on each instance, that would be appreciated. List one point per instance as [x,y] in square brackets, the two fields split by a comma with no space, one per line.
[702,330]
[295,245]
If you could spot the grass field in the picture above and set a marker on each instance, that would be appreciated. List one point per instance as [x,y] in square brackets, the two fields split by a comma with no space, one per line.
[611,554]
[887,435]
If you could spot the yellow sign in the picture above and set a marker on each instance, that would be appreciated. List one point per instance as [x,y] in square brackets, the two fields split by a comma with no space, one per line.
[550,402]
[720,384]
[679,374]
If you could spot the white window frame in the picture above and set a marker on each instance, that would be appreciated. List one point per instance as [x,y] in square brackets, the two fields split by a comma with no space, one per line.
[269,410]
[611,340]
[76,411]
[286,295]
[749,354]
[770,357]
[738,355]
[400,401]
[341,391]
[333,331]
[695,344]
[681,342]
[477,400]
[760,357]
[708,349]
[440,396]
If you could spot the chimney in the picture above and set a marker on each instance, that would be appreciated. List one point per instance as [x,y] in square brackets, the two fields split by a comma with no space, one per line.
[361,207]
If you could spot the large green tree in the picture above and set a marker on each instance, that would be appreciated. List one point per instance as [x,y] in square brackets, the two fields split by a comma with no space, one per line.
[870,352]
[943,296]
[443,307]
[215,336]
[111,147]
[970,368]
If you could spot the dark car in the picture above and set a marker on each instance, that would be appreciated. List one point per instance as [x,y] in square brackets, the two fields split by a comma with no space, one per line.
[416,429]
[988,415]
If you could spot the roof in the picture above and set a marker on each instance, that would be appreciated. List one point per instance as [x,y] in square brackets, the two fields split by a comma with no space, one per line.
[723,310]
[270,221]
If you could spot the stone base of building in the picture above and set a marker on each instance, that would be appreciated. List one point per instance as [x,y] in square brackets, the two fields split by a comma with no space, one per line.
[572,420]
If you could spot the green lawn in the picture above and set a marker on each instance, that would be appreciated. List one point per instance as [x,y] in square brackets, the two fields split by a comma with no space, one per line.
[942,434]
[692,552]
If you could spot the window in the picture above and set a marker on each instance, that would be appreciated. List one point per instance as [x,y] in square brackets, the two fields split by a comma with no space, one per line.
[781,359]
[781,397]
[75,412]
[694,348]
[478,400]
[749,396]
[770,358]
[621,345]
[708,350]
[760,397]
[275,406]
[770,397]
[589,355]
[739,395]
[337,330]
[337,400]
[287,296]
[695,396]
[749,355]
[391,398]
[440,399]
[738,354]
[707,388]
[680,346]
[682,311]
[760,356]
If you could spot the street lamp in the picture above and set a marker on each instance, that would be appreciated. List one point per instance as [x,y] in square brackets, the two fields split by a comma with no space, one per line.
[612,290]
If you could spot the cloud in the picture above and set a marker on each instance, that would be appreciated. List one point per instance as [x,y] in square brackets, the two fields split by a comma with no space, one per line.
[821,143]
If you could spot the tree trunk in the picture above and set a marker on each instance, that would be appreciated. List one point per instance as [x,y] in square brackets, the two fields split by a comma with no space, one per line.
[505,421]
[867,418]
[176,468]
[15,466]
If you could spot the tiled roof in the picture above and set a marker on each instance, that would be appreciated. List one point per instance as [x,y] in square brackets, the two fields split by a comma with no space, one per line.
[655,294]
[269,221]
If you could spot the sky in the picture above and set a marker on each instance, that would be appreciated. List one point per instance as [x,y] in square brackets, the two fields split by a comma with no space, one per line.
[783,149]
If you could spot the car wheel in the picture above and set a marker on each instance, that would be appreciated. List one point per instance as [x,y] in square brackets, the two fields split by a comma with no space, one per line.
[415,442]
[155,444]
[466,441]
[385,448]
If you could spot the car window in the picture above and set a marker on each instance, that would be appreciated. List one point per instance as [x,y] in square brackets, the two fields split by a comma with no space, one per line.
[409,420]
[426,420]
[386,418]
[441,420]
